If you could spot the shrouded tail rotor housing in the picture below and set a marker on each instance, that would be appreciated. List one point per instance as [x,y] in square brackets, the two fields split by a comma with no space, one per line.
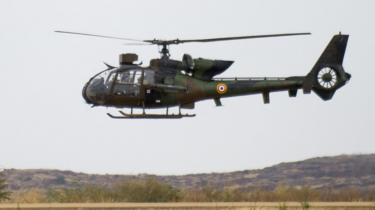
[328,74]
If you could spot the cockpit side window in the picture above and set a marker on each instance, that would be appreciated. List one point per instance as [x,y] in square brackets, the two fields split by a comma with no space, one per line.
[125,77]
[128,83]
[149,77]
[129,77]
[137,77]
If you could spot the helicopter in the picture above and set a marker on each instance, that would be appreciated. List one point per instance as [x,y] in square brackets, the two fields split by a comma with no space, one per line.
[169,83]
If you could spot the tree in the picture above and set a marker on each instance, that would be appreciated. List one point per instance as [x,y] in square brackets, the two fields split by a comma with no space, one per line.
[4,194]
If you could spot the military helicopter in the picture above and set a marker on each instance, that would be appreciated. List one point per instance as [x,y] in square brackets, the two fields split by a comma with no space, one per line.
[168,83]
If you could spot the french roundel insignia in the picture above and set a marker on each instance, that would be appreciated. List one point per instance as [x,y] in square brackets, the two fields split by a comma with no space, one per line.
[221,88]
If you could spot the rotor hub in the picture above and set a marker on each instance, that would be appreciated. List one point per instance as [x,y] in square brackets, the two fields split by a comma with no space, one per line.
[327,77]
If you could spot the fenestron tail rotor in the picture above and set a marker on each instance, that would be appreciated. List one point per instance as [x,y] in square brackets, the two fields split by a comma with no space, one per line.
[165,43]
[327,77]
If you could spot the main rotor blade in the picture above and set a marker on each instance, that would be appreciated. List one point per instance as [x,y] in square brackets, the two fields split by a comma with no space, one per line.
[180,41]
[137,44]
[239,37]
[101,36]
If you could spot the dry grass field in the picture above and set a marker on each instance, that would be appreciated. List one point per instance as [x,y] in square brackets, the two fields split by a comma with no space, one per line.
[201,206]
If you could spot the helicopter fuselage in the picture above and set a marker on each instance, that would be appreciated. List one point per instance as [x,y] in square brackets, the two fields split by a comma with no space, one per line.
[167,83]
[133,86]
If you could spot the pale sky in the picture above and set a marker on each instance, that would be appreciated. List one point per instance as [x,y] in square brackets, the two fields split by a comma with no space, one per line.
[45,122]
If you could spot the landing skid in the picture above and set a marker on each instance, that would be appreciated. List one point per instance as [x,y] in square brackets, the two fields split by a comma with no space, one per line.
[149,116]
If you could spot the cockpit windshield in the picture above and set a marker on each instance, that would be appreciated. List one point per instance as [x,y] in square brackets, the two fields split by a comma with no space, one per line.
[120,82]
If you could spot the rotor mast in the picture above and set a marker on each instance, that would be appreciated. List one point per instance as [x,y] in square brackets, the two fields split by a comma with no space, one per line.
[165,51]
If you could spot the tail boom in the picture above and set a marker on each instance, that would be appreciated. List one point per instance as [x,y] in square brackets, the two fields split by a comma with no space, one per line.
[248,86]
[326,76]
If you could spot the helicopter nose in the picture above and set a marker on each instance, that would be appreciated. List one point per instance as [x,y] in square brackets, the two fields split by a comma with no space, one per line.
[84,94]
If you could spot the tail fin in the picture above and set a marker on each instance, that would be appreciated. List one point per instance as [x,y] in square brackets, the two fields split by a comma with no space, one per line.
[328,74]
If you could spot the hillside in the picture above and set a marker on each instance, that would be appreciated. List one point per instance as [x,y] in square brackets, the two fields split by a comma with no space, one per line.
[321,173]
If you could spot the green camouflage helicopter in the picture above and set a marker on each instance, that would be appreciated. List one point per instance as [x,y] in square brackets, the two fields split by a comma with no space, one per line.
[167,83]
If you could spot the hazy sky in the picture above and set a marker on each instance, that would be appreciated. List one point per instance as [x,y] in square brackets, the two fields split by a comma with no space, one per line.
[45,123]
